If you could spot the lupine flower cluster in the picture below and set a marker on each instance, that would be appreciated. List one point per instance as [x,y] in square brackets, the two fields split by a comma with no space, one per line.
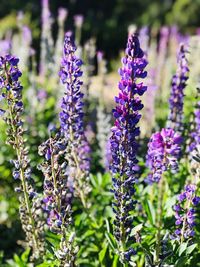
[103,120]
[58,194]
[123,142]
[71,120]
[163,152]
[103,132]
[62,15]
[30,205]
[176,100]
[47,59]
[185,213]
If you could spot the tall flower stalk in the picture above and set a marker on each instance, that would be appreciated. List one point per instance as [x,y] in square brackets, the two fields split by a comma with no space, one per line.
[46,57]
[124,144]
[185,213]
[163,152]
[176,100]
[58,193]
[30,206]
[62,15]
[71,121]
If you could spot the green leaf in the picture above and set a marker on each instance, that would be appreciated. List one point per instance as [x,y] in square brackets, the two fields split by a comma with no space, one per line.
[182,248]
[111,240]
[25,255]
[47,264]
[18,261]
[150,211]
[136,229]
[115,261]
[88,233]
[102,253]
[191,248]
[181,261]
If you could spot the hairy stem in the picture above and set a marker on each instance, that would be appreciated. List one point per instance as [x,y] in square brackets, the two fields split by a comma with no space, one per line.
[23,180]
[161,187]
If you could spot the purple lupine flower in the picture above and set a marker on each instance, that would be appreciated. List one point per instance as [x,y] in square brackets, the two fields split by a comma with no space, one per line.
[58,194]
[162,51]
[62,14]
[71,119]
[46,56]
[144,38]
[185,213]
[78,20]
[27,35]
[123,142]
[41,95]
[5,46]
[195,134]
[163,152]
[176,100]
[103,134]
[30,205]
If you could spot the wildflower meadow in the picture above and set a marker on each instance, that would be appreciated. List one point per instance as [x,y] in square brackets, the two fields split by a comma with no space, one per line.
[99,160]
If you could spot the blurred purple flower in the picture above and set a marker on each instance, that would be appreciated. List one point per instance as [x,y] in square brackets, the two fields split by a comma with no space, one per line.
[78,20]
[163,152]
[176,100]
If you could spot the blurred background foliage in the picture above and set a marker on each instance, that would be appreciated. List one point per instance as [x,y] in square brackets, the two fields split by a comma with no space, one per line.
[106,20]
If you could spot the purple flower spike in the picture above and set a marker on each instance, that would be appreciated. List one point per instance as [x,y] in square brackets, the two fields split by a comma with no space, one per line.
[163,152]
[123,141]
[30,204]
[185,212]
[71,119]
[78,20]
[176,100]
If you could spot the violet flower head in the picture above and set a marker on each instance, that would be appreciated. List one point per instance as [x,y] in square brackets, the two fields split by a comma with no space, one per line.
[71,118]
[12,109]
[163,152]
[5,46]
[78,20]
[47,60]
[72,103]
[185,213]
[57,193]
[176,100]
[123,142]
[62,14]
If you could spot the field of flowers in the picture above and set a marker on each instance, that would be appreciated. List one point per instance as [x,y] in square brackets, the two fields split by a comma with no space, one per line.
[99,166]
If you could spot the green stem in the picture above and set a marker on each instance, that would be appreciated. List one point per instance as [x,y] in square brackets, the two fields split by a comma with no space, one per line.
[54,175]
[122,230]
[23,180]
[82,196]
[161,187]
[184,221]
